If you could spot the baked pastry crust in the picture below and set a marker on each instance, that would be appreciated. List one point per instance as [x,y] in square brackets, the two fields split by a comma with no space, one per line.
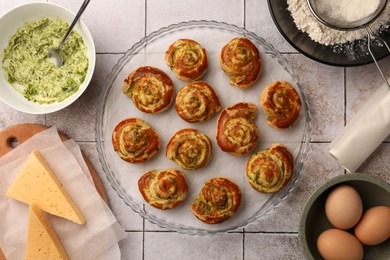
[150,89]
[270,170]
[281,103]
[241,61]
[189,148]
[164,189]
[187,59]
[197,102]
[135,141]
[218,200]
[236,132]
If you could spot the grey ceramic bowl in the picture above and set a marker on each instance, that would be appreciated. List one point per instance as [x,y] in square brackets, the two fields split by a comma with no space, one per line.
[373,192]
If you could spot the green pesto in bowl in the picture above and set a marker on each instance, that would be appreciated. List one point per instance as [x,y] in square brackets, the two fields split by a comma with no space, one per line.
[29,68]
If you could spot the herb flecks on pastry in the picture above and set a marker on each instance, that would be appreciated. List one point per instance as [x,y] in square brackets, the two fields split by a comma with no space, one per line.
[281,103]
[241,61]
[187,59]
[135,141]
[164,189]
[236,131]
[189,148]
[197,102]
[150,89]
[270,170]
[218,200]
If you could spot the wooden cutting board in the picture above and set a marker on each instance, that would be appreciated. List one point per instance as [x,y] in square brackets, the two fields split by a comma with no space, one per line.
[23,132]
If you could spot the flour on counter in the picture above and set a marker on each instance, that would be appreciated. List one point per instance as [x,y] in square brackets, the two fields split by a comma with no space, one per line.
[307,23]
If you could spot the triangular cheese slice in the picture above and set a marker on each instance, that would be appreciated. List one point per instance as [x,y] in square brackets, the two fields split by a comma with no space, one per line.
[38,184]
[42,241]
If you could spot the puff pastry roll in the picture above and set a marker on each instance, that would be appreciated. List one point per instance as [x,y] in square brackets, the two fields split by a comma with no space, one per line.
[163,189]
[187,59]
[197,102]
[270,170]
[135,141]
[236,132]
[218,200]
[241,61]
[281,103]
[189,148]
[150,89]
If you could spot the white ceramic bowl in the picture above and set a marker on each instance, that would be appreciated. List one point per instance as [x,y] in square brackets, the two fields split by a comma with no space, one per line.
[14,19]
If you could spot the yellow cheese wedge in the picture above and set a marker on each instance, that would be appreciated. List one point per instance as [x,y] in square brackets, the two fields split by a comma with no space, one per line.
[38,184]
[42,241]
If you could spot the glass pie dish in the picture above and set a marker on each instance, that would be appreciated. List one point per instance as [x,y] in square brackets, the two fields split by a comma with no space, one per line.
[116,106]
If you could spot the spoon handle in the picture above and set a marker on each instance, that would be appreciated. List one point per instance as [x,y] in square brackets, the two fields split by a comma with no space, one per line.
[79,13]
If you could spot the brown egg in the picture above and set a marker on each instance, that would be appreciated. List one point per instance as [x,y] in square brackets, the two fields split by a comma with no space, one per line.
[374,227]
[339,244]
[343,207]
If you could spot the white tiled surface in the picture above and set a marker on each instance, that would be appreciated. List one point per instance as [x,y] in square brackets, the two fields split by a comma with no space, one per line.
[334,94]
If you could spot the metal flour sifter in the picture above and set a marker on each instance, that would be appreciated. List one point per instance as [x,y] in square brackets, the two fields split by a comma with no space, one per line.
[331,20]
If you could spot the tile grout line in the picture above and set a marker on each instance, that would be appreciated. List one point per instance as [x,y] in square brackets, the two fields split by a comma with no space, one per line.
[145,17]
[345,102]
[111,53]
[244,16]
[229,232]
[345,96]
[243,230]
[216,235]
[273,232]
[143,236]
[143,219]
[243,244]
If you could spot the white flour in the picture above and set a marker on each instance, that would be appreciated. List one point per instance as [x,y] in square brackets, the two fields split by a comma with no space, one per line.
[346,10]
[306,22]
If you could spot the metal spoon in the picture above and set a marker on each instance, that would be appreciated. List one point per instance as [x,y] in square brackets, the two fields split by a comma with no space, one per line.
[56,53]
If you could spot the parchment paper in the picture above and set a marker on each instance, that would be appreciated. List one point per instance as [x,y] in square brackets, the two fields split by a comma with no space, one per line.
[369,127]
[101,232]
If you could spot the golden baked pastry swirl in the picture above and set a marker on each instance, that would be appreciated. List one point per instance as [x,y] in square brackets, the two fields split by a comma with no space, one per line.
[163,189]
[135,141]
[237,133]
[218,200]
[187,59]
[189,148]
[270,170]
[281,103]
[241,61]
[150,89]
[197,102]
